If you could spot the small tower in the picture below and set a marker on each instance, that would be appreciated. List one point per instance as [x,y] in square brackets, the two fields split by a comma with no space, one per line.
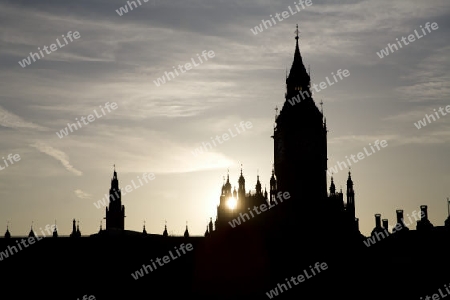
[273,187]
[78,229]
[186,232]
[74,229]
[55,231]
[165,230]
[31,234]
[258,186]
[115,212]
[7,233]
[350,207]
[332,187]
[144,232]
[266,195]
[210,225]
[206,232]
[241,188]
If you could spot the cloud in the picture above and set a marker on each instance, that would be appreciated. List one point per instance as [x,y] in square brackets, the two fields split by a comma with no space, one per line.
[58,155]
[11,120]
[82,195]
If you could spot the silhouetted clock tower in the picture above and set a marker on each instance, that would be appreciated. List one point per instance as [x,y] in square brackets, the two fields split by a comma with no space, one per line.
[300,139]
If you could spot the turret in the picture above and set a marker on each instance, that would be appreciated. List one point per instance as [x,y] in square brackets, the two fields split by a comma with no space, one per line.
[332,187]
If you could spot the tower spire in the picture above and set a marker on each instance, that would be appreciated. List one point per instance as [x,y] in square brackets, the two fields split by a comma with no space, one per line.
[7,233]
[165,229]
[144,231]
[186,232]
[298,79]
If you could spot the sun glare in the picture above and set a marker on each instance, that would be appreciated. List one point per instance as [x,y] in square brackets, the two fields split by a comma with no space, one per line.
[231,203]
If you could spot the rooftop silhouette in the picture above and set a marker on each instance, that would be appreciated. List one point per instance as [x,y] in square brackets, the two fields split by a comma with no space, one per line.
[299,238]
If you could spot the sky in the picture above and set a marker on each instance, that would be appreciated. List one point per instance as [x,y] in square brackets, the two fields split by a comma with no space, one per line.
[156,129]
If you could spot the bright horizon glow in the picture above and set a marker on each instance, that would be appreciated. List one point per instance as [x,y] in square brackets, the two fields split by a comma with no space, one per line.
[231,203]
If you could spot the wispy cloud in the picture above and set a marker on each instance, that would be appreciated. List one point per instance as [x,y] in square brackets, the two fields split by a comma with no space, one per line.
[82,195]
[58,155]
[10,120]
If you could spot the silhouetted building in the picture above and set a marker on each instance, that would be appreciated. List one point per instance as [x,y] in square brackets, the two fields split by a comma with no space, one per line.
[233,204]
[310,227]
[300,139]
[75,230]
[115,213]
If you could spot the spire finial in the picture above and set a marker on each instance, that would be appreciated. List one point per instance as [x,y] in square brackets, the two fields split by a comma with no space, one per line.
[297,32]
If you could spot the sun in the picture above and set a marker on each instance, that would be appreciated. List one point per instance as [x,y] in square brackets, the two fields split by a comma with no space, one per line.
[231,203]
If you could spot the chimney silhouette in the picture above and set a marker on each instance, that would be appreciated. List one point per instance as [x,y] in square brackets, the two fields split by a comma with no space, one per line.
[424,212]
[400,216]
[385,224]
[377,220]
